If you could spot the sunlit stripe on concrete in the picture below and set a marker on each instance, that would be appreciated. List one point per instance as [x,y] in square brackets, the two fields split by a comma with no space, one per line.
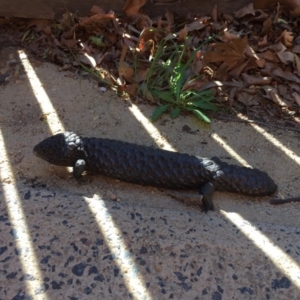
[122,256]
[151,129]
[229,150]
[53,121]
[282,261]
[41,96]
[293,156]
[17,218]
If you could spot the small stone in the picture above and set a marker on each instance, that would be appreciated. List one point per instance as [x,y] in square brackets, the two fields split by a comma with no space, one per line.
[112,196]
[158,268]
[102,89]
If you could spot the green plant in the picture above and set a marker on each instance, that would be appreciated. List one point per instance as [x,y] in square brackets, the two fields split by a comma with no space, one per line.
[166,79]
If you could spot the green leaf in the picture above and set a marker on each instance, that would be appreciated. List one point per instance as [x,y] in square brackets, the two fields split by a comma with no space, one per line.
[97,40]
[201,115]
[163,95]
[175,112]
[158,112]
[203,105]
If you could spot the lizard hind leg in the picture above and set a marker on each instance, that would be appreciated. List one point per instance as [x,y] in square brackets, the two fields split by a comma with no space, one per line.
[207,191]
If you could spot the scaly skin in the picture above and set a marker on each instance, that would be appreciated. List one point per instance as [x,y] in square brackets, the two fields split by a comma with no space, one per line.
[150,166]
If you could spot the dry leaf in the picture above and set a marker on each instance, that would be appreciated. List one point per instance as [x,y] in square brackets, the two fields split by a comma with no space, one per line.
[268,55]
[132,7]
[238,70]
[246,98]
[96,20]
[169,17]
[198,24]
[274,96]
[131,89]
[229,36]
[126,72]
[286,38]
[296,97]
[295,12]
[286,75]
[266,4]
[246,10]
[255,80]
[267,26]
[231,53]
[249,52]
[263,42]
[286,57]
[182,35]
[69,43]
[47,30]
[297,64]
[40,24]
[97,10]
[214,13]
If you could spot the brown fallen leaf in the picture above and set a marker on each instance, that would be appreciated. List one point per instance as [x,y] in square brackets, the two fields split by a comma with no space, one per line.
[296,97]
[286,75]
[131,89]
[247,99]
[266,4]
[229,36]
[182,34]
[126,72]
[214,13]
[297,64]
[295,87]
[268,56]
[255,80]
[295,12]
[47,30]
[96,10]
[286,38]
[40,24]
[263,41]
[96,20]
[267,26]
[246,10]
[235,73]
[282,90]
[70,33]
[132,7]
[231,53]
[277,99]
[169,17]
[198,24]
[286,57]
[249,52]
[69,43]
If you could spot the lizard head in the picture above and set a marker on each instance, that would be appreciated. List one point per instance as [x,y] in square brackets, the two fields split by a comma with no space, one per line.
[62,149]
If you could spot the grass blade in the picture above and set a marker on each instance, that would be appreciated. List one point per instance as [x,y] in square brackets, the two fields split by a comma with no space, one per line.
[159,111]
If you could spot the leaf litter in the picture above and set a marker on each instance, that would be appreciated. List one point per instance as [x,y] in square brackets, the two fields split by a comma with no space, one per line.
[246,62]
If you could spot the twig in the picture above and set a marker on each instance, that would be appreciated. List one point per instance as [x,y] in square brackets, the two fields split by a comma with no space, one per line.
[284,201]
[258,122]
